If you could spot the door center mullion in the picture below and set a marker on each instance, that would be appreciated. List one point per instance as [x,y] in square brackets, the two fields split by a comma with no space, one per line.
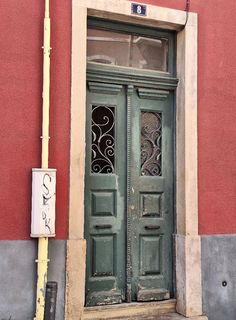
[130,90]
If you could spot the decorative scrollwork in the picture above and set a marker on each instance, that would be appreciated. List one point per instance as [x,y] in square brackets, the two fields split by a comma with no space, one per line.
[151,144]
[103,139]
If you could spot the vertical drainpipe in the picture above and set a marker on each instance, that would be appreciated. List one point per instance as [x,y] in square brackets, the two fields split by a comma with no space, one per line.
[43,242]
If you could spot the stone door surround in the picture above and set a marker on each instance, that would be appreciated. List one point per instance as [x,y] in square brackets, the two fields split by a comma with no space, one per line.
[187,240]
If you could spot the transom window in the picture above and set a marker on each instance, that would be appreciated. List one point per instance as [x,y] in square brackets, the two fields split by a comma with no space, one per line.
[132,46]
[127,50]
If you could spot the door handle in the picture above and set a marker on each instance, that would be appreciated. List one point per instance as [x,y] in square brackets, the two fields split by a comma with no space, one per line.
[103,226]
[152,227]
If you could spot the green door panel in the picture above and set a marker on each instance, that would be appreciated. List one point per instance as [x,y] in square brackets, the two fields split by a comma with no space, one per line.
[150,200]
[105,194]
[128,193]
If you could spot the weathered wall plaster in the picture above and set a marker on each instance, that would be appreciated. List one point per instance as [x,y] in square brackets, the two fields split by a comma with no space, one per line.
[219,276]
[18,277]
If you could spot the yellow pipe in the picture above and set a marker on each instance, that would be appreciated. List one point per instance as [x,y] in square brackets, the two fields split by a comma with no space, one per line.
[46,87]
[43,242]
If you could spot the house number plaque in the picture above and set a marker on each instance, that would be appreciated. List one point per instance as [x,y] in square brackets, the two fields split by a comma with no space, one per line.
[138,9]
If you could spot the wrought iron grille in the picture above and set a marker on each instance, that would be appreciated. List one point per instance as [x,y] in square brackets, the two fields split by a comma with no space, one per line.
[103,139]
[151,127]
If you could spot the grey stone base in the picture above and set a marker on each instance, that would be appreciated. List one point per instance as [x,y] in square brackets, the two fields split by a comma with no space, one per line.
[18,277]
[219,276]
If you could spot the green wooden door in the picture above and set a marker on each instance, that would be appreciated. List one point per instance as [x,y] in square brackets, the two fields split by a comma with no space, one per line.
[150,193]
[105,193]
[128,193]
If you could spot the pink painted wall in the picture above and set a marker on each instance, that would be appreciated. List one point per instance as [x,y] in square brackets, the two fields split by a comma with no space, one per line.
[21,25]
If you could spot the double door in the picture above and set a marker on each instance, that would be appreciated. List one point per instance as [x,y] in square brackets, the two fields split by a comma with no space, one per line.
[128,193]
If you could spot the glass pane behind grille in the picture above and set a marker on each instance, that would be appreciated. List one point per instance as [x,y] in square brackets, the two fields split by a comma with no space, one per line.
[151,144]
[103,139]
[128,50]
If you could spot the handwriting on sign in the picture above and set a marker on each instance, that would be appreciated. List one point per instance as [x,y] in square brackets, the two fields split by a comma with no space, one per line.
[43,202]
[46,199]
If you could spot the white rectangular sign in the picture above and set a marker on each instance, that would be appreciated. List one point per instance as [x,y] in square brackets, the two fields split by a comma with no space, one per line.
[43,203]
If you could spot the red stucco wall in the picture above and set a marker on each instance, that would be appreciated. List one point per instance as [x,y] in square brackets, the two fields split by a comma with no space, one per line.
[21,25]
[217,116]
[21,38]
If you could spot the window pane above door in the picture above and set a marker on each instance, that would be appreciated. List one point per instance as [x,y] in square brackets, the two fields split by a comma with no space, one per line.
[128,50]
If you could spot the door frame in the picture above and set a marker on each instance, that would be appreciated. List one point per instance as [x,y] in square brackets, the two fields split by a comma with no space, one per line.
[187,239]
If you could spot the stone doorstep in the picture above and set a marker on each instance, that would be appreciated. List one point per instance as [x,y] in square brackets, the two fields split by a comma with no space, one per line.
[130,310]
[162,310]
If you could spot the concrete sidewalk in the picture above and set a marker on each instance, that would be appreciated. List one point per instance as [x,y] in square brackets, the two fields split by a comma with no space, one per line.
[170,316]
